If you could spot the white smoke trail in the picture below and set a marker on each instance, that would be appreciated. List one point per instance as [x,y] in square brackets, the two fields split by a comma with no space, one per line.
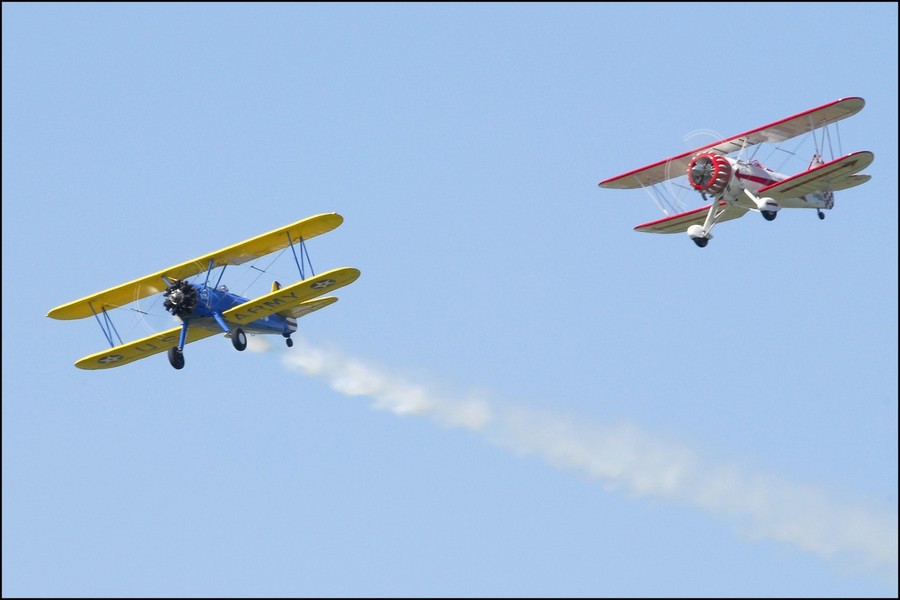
[634,460]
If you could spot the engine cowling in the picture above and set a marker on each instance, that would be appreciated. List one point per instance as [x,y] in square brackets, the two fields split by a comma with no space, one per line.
[709,173]
[181,298]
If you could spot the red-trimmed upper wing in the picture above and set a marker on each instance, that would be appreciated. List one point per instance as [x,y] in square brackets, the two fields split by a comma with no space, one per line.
[833,176]
[773,132]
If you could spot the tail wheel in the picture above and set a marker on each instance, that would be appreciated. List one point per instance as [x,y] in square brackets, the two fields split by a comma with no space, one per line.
[176,357]
[239,339]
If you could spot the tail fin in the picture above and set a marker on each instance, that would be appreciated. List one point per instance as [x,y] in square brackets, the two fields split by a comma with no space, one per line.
[276,286]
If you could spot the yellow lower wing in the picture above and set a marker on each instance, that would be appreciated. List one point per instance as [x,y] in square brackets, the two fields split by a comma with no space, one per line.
[293,301]
[292,296]
[142,348]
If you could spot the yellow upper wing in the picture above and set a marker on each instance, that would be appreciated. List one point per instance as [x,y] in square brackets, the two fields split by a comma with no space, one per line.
[232,255]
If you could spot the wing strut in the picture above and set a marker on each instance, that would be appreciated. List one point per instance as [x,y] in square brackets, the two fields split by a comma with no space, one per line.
[209,270]
[106,326]
[299,261]
[219,280]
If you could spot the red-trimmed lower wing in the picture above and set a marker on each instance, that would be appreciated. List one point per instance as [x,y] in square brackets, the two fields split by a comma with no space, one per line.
[679,223]
[839,174]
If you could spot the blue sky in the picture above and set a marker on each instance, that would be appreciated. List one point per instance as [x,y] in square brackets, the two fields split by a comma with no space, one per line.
[520,395]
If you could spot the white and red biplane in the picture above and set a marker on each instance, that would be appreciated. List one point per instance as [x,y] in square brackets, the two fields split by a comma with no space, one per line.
[736,186]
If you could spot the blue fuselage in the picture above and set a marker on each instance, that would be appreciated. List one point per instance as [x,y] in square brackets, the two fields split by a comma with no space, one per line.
[211,300]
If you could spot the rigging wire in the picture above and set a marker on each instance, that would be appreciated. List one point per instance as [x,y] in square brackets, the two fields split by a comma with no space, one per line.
[262,271]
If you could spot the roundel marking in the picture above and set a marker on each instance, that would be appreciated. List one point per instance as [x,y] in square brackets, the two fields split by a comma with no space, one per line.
[321,285]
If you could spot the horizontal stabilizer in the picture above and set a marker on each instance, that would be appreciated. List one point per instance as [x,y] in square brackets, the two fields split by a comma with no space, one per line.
[307,306]
[848,182]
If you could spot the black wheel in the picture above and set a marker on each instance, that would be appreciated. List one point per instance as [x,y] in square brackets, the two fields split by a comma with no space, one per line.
[701,242]
[176,357]
[769,215]
[289,342]
[821,215]
[239,339]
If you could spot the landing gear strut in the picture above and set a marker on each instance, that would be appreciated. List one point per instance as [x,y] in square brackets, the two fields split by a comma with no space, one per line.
[288,340]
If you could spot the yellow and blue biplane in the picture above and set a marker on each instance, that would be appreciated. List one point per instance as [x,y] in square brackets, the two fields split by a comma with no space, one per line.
[205,309]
